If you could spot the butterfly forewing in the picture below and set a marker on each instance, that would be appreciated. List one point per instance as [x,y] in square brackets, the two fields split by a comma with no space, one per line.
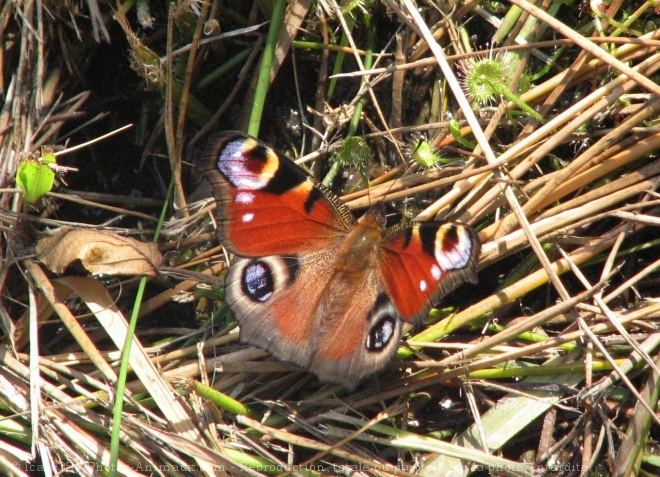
[267,204]
[426,261]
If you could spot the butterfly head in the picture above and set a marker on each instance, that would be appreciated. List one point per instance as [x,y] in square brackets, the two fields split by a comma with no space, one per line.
[374,217]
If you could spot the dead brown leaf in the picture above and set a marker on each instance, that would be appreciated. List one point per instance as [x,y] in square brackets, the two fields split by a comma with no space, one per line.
[99,252]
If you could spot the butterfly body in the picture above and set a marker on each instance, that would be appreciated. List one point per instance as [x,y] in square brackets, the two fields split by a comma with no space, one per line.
[311,284]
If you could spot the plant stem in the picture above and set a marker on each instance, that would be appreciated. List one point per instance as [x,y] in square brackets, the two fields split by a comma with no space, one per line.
[263,81]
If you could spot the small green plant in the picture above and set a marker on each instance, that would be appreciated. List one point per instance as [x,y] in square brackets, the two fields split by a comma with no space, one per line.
[486,79]
[423,153]
[355,152]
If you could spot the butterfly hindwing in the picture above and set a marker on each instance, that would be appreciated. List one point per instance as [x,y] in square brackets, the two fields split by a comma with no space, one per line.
[274,300]
[284,306]
[361,341]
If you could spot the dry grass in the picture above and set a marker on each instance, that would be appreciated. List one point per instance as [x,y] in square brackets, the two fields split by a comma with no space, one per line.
[548,367]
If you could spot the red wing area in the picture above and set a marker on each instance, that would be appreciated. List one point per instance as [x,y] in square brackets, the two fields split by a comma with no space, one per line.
[427,261]
[267,205]
[269,224]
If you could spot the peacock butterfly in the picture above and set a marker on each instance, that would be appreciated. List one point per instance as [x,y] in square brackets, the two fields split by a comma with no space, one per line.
[311,284]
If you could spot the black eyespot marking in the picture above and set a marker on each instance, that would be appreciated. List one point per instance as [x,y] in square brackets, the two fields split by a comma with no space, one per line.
[258,153]
[381,333]
[450,240]
[257,281]
[385,316]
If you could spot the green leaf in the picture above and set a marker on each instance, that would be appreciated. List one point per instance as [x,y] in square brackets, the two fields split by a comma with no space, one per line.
[35,177]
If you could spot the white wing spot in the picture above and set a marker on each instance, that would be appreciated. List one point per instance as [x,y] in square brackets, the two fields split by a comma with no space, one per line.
[459,256]
[422,285]
[247,217]
[251,182]
[436,273]
[244,198]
